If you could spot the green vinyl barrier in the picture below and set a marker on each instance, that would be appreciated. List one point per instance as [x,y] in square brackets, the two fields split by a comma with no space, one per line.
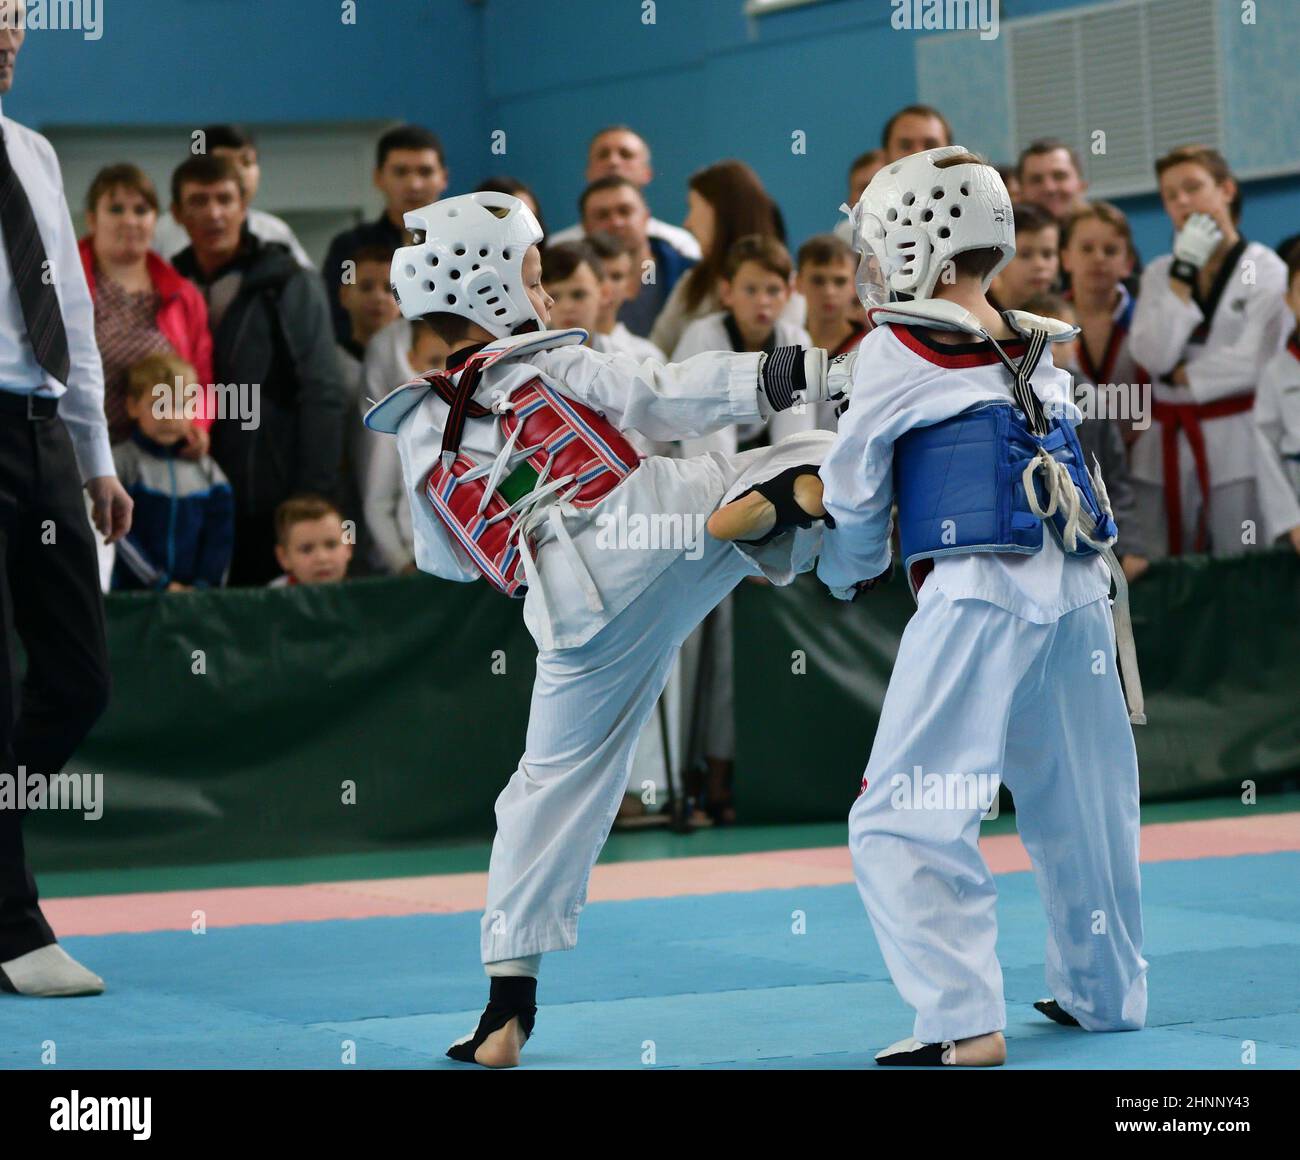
[1218,645]
[383,713]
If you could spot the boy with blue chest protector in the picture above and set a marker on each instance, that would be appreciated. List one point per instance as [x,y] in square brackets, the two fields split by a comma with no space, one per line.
[1007,672]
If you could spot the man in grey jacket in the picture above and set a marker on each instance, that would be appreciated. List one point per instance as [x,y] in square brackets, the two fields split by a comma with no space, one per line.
[279,398]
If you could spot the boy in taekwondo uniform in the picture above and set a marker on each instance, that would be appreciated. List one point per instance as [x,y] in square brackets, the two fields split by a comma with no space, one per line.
[516,472]
[1007,670]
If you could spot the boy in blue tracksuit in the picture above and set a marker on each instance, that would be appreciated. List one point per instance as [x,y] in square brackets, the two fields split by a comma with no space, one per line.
[182,532]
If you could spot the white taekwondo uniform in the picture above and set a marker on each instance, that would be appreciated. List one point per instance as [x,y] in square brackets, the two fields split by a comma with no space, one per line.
[1277,433]
[608,612]
[1224,342]
[1006,671]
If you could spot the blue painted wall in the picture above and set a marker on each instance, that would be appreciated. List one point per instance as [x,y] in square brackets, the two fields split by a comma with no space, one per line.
[191,62]
[702,82]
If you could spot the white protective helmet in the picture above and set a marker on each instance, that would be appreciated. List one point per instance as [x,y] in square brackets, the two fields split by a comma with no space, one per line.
[468,261]
[914,216]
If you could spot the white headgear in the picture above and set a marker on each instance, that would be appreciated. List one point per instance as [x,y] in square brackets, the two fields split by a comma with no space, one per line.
[468,261]
[915,216]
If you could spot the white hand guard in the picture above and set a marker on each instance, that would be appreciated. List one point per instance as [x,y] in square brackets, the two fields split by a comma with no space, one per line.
[829,380]
[1197,240]
[839,375]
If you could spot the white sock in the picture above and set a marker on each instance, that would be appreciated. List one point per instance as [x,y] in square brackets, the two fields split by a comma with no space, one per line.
[526,968]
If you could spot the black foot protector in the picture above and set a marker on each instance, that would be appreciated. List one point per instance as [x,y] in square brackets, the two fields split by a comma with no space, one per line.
[509,998]
[1052,1009]
[779,492]
[911,1053]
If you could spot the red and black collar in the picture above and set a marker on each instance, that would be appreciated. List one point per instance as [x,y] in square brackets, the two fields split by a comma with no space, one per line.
[954,356]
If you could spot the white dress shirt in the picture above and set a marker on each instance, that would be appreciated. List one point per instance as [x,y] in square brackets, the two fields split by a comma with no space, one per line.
[81,403]
[170,238]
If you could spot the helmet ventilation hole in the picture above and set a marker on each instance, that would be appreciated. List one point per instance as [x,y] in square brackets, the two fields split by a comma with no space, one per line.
[955,211]
[451,299]
[455,275]
[505,254]
[925,217]
[483,252]
[428,286]
[965,190]
[459,251]
[892,215]
[945,232]
[410,271]
[909,197]
[937,193]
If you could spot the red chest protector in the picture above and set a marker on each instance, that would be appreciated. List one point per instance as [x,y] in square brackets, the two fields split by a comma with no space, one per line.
[555,446]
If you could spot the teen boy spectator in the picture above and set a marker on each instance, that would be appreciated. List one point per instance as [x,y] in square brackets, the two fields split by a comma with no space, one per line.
[410,172]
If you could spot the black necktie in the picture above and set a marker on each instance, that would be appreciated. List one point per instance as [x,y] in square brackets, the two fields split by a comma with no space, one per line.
[36,293]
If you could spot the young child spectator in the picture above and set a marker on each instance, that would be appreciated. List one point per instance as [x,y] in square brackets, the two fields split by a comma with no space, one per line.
[754,288]
[1277,425]
[236,144]
[367,298]
[1098,254]
[727,202]
[1099,435]
[1037,263]
[183,530]
[618,285]
[309,542]
[572,275]
[1209,317]
[826,271]
[383,501]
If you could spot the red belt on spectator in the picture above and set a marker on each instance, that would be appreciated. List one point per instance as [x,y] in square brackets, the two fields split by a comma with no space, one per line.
[1186,417]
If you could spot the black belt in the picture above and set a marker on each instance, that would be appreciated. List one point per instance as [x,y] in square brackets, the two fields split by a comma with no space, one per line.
[28,406]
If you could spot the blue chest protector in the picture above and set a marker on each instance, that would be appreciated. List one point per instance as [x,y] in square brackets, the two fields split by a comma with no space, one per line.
[960,486]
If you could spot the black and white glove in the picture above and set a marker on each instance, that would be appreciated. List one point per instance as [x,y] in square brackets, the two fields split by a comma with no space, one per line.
[1193,246]
[792,376]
